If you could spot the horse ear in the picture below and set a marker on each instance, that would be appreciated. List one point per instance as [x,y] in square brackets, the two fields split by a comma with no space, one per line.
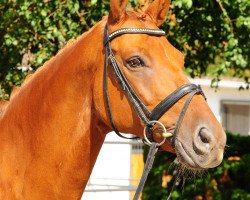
[158,10]
[117,10]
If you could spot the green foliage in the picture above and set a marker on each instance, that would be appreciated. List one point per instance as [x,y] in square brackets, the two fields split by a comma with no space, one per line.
[213,34]
[229,181]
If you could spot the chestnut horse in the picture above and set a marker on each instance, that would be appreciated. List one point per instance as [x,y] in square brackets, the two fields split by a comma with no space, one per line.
[52,130]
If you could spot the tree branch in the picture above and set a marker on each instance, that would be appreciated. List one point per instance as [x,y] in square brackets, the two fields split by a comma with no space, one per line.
[226,15]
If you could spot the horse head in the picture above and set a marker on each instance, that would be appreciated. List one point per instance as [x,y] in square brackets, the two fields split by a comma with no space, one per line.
[154,70]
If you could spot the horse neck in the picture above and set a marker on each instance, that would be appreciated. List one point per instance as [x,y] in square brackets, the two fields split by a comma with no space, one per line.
[53,113]
[62,88]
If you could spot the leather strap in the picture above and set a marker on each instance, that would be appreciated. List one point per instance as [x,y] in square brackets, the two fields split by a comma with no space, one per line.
[184,109]
[116,71]
[148,165]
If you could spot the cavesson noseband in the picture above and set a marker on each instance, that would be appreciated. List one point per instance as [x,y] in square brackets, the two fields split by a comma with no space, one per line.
[149,118]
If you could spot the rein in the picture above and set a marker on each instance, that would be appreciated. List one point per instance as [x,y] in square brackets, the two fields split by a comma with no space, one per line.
[149,118]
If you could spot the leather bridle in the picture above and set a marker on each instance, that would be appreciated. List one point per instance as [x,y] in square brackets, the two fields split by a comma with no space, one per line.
[149,118]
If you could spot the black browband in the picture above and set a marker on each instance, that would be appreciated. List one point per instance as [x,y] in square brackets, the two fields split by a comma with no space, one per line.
[143,113]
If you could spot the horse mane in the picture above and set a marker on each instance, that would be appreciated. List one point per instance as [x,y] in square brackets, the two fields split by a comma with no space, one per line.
[16,90]
[3,105]
[30,76]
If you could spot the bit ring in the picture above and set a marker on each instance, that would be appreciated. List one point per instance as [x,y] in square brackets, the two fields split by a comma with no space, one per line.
[153,122]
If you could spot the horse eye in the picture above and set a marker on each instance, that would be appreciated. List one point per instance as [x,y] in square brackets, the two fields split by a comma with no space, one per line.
[135,62]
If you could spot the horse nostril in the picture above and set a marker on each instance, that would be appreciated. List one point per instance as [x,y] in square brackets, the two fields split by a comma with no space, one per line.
[204,135]
[203,142]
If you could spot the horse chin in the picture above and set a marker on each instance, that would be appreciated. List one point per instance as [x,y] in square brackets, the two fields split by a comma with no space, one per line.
[184,157]
[168,148]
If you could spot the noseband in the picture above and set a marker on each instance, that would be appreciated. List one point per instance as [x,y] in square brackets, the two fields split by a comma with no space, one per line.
[149,118]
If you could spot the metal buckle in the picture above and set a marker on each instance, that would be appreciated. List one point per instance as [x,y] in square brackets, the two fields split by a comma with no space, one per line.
[165,134]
